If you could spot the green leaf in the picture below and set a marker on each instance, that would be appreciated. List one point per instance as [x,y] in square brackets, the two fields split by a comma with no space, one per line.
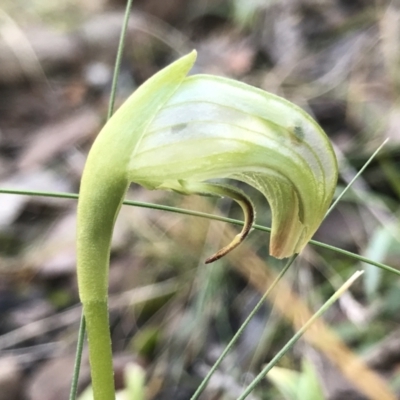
[135,382]
[309,385]
[286,381]
[295,385]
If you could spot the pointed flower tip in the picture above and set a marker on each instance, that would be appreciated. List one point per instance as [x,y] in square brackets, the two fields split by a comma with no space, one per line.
[190,57]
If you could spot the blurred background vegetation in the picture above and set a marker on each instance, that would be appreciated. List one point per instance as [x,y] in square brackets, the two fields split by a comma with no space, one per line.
[171,315]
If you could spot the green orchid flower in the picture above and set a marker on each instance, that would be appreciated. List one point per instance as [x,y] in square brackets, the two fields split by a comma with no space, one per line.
[177,133]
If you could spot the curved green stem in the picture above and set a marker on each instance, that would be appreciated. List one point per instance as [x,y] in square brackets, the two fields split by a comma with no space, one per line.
[104,184]
[100,353]
[95,226]
[93,291]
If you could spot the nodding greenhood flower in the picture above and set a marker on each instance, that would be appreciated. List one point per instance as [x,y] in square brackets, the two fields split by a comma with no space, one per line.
[177,129]
[213,127]
[177,132]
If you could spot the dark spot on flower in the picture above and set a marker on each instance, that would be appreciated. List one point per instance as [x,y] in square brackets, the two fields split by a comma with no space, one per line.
[298,131]
[296,134]
[178,128]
